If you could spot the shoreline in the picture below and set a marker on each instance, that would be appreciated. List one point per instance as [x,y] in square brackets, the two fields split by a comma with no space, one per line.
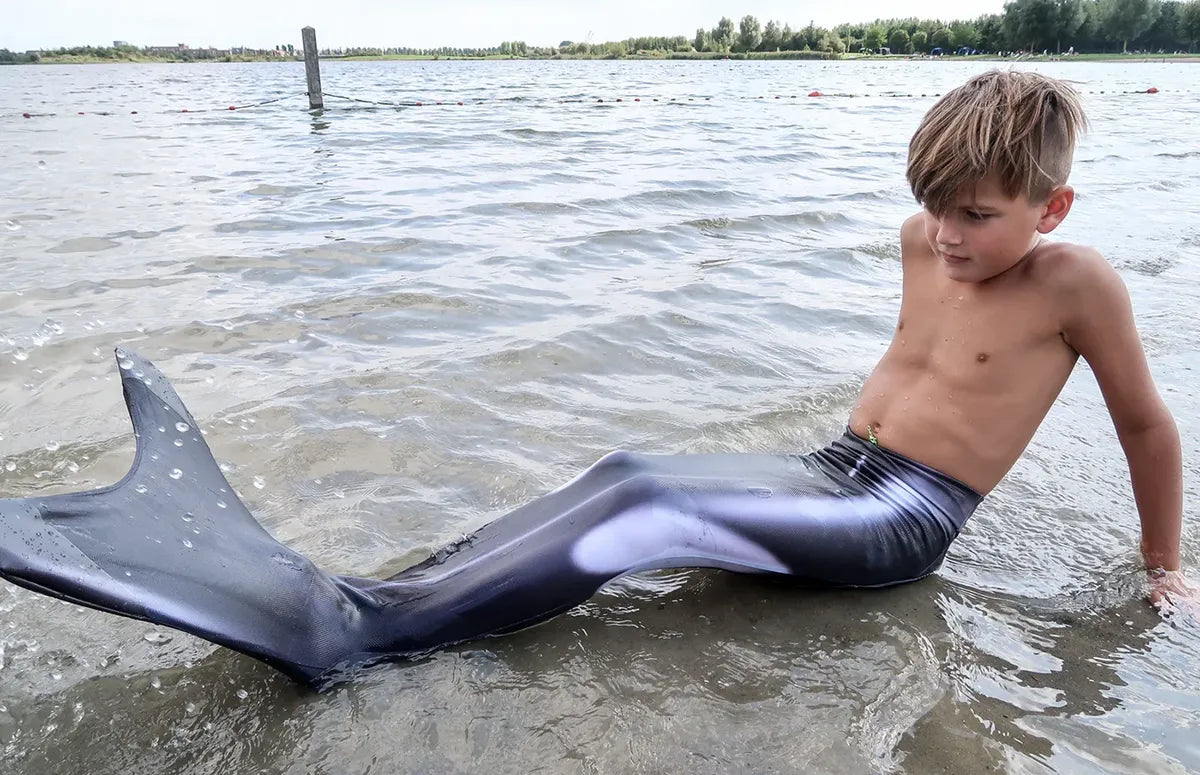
[665,56]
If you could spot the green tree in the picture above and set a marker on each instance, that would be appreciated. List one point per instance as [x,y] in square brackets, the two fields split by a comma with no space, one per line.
[1070,19]
[723,34]
[1031,24]
[830,42]
[749,34]
[1189,23]
[898,41]
[1126,19]
[943,37]
[874,39]
[772,37]
[920,42]
[1165,34]
[964,34]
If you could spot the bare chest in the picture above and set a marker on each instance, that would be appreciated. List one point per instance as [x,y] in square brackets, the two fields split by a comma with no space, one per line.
[977,334]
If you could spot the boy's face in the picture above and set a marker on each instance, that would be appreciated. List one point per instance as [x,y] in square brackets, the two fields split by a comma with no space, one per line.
[986,232]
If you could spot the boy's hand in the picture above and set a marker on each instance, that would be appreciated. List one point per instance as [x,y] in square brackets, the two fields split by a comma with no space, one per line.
[1171,593]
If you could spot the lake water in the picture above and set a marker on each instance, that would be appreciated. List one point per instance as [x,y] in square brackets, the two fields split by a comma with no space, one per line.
[393,325]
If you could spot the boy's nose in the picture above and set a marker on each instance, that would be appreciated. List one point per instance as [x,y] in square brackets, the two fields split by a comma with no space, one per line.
[948,236]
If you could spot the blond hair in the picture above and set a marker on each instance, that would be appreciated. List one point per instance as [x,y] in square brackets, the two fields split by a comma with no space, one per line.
[1019,127]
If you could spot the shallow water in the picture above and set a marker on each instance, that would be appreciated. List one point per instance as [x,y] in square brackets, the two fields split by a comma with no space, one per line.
[395,325]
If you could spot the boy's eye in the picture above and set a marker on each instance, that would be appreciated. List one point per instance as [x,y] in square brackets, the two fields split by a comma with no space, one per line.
[975,215]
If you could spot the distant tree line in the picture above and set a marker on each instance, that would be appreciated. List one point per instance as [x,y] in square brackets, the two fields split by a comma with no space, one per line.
[1098,26]
[1092,26]
[1087,26]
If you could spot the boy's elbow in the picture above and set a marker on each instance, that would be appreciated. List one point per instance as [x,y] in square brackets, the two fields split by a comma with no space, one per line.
[1153,421]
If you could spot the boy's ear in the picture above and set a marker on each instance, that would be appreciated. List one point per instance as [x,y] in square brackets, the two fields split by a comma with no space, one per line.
[1056,208]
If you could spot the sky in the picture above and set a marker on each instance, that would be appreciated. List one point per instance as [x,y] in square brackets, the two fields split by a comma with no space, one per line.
[38,24]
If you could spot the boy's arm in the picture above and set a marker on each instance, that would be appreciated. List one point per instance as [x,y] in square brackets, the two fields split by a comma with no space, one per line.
[1099,325]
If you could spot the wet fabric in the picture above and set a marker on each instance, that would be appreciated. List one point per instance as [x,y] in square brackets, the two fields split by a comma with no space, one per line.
[172,544]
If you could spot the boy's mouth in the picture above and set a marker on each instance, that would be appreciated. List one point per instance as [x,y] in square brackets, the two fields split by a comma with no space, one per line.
[953,259]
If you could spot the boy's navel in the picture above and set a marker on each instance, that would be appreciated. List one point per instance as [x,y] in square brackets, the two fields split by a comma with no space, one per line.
[982,357]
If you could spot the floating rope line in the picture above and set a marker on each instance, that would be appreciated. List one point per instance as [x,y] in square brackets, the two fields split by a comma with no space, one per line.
[572,100]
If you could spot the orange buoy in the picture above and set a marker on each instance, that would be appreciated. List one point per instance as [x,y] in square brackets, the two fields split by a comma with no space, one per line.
[815,93]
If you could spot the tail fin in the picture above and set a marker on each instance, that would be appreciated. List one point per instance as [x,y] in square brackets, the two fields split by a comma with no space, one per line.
[171,543]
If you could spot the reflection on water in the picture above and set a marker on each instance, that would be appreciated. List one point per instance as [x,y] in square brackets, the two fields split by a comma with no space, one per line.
[395,324]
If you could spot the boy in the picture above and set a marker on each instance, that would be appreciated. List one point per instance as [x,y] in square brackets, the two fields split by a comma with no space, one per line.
[991,324]
[993,319]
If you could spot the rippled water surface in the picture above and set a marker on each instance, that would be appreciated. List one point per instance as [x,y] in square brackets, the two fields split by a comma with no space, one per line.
[393,325]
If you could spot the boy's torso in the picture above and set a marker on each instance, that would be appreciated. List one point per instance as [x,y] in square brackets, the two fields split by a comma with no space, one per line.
[972,368]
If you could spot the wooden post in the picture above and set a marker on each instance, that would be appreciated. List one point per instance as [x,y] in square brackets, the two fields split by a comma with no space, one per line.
[312,69]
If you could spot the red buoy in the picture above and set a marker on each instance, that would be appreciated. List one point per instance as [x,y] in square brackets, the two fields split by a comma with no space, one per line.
[1152,90]
[460,103]
[133,112]
[233,107]
[815,93]
[185,110]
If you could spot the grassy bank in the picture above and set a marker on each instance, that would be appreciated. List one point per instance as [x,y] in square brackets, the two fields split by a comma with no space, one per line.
[83,59]
[73,59]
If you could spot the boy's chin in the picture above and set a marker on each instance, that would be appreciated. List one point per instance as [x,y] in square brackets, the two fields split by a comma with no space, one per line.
[961,269]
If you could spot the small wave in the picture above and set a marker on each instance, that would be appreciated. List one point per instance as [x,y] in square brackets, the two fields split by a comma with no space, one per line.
[84,245]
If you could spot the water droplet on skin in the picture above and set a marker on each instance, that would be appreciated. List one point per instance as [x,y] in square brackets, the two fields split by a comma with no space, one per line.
[141,489]
[176,473]
[220,504]
[186,543]
[259,483]
[179,442]
[127,573]
[242,694]
[182,427]
[162,429]
[154,456]
[188,517]
[760,492]
[125,363]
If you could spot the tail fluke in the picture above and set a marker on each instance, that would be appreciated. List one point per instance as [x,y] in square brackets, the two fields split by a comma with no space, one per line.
[171,543]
